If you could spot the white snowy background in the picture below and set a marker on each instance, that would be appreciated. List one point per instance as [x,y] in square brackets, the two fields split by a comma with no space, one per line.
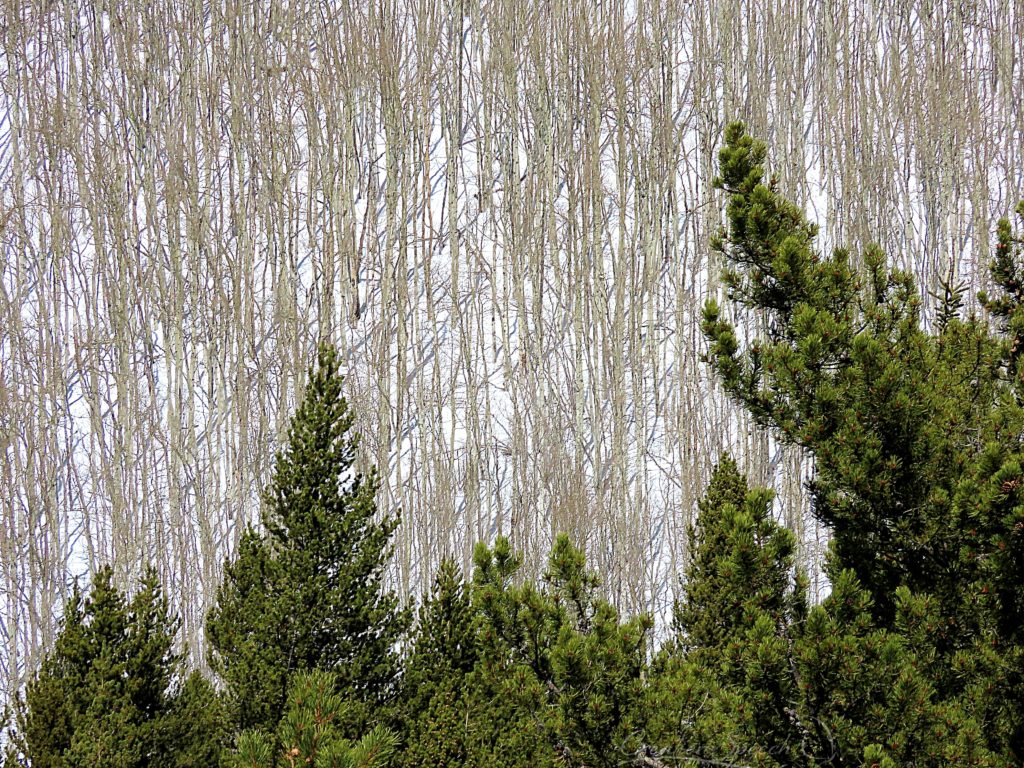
[499,210]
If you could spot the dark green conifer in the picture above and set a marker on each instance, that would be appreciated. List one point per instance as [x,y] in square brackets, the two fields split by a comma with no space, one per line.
[445,642]
[306,590]
[869,694]
[505,729]
[725,687]
[435,701]
[195,725]
[740,560]
[560,675]
[110,670]
[107,694]
[752,677]
[598,661]
[915,435]
[311,732]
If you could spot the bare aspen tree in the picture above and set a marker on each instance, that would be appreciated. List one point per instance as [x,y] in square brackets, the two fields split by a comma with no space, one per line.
[498,209]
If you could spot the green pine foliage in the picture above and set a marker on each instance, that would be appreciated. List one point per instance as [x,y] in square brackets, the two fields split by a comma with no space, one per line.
[306,590]
[950,298]
[869,693]
[560,678]
[110,692]
[508,695]
[196,725]
[7,754]
[445,643]
[311,732]
[915,435]
[741,562]
[597,665]
[725,687]
[435,701]
[754,677]
[110,669]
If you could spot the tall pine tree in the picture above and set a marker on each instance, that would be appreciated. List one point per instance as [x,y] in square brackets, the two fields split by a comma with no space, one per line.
[306,590]
[915,433]
[752,677]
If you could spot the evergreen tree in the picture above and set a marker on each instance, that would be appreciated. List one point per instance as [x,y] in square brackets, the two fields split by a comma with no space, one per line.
[106,693]
[728,672]
[752,677]
[915,435]
[310,732]
[112,663]
[445,642]
[508,697]
[195,725]
[598,661]
[741,562]
[111,734]
[306,590]
[869,694]
[435,699]
[560,675]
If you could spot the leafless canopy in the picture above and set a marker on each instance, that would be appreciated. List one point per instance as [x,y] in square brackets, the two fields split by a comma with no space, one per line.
[499,209]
